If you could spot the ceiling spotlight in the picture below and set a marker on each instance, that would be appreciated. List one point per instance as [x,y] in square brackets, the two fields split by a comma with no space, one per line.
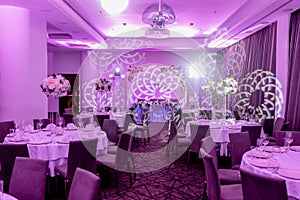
[114,7]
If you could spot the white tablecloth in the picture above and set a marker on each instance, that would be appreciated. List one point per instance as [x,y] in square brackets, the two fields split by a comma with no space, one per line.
[219,132]
[7,197]
[119,118]
[56,152]
[287,160]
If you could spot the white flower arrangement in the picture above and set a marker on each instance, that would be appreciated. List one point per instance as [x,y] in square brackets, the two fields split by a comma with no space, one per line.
[55,85]
[230,85]
[103,85]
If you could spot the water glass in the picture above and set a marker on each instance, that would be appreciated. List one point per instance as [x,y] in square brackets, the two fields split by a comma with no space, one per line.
[40,124]
[288,138]
[259,143]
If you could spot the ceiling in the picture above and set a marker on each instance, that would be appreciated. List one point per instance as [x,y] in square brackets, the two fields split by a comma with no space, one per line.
[214,23]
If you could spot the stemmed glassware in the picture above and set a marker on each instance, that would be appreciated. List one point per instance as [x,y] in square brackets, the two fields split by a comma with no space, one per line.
[40,124]
[60,121]
[288,138]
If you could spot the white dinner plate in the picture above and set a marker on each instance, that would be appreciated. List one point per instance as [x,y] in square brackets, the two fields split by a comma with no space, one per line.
[44,129]
[289,173]
[264,163]
[71,129]
[63,142]
[15,140]
[34,131]
[274,149]
[295,148]
[260,154]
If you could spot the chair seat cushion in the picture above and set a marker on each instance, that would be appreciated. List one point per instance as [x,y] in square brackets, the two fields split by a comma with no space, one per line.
[184,141]
[112,149]
[107,159]
[235,167]
[229,176]
[231,192]
[61,170]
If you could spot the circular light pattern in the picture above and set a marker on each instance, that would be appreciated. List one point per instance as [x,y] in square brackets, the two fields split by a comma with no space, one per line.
[270,87]
[155,83]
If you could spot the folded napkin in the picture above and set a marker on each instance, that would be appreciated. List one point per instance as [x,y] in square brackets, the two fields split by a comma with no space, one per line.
[71,126]
[50,126]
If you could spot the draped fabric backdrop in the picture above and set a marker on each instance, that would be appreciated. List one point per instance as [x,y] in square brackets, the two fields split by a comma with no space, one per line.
[249,61]
[293,88]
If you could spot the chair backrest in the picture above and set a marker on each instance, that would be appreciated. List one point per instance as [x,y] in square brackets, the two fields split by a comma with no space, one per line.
[279,137]
[124,148]
[84,186]
[173,132]
[82,154]
[198,132]
[268,125]
[8,154]
[212,177]
[206,114]
[4,129]
[262,187]
[100,119]
[285,126]
[278,124]
[127,121]
[45,123]
[240,143]
[28,178]
[68,118]
[110,126]
[209,146]
[254,133]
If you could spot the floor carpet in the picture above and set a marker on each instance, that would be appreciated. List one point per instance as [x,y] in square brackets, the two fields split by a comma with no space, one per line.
[157,176]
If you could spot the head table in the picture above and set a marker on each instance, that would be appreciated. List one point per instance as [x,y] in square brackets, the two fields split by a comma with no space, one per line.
[220,131]
[276,162]
[54,147]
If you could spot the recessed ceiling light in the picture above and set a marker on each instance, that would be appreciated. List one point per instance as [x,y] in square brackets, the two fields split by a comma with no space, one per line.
[114,7]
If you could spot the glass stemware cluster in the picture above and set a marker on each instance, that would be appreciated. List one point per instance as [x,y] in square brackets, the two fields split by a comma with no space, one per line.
[288,139]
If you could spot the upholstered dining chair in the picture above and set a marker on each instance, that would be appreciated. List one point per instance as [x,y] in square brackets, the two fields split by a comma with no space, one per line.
[254,132]
[279,137]
[110,126]
[240,143]
[120,160]
[262,187]
[81,154]
[278,124]
[8,154]
[85,185]
[198,132]
[45,123]
[4,129]
[216,191]
[227,176]
[28,179]
[68,118]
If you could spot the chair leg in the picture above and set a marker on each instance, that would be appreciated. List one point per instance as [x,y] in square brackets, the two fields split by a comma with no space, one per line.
[66,189]
[205,191]
[117,181]
[128,167]
[148,135]
[133,167]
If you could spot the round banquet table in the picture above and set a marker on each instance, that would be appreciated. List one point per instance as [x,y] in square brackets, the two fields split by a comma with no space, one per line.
[7,197]
[55,148]
[278,164]
[219,132]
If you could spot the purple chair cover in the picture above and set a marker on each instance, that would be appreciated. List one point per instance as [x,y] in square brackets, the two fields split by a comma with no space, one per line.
[268,126]
[259,187]
[214,190]
[85,185]
[227,176]
[28,179]
[240,143]
[4,129]
[68,118]
[254,133]
[278,124]
[111,128]
[279,137]
[100,119]
[8,154]
[45,121]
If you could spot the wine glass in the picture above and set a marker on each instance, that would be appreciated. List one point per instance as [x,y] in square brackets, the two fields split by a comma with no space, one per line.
[60,121]
[40,124]
[265,142]
[288,138]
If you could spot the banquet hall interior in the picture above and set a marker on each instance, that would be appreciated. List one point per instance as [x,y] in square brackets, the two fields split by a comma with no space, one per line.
[149,99]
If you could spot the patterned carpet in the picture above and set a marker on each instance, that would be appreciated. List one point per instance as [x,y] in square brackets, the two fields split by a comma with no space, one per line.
[156,178]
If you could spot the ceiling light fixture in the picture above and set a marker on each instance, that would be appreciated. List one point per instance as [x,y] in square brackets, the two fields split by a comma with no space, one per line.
[158,15]
[114,7]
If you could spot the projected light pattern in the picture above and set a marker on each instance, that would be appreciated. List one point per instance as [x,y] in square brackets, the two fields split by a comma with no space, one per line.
[93,98]
[234,61]
[100,59]
[269,85]
[156,83]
